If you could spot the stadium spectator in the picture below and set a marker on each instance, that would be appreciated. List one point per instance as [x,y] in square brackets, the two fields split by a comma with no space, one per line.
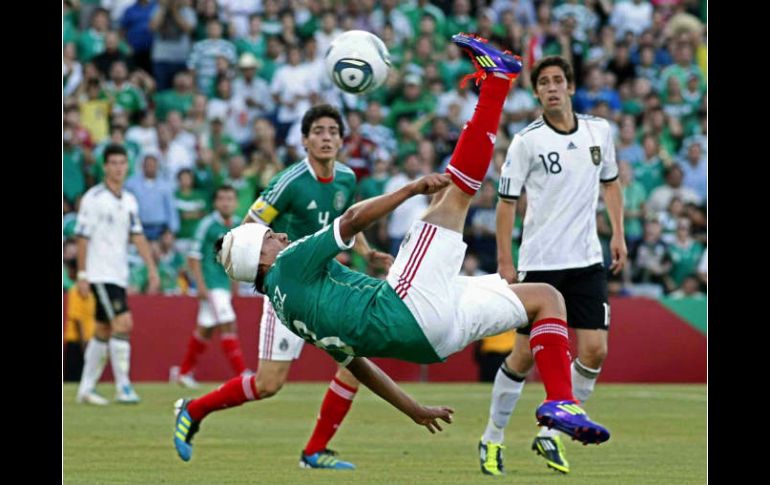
[113,51]
[253,41]
[191,205]
[293,91]
[694,169]
[685,255]
[634,198]
[145,134]
[661,196]
[634,16]
[91,42]
[180,98]
[651,262]
[402,217]
[172,23]
[252,90]
[203,58]
[480,227]
[121,93]
[172,155]
[170,264]
[156,199]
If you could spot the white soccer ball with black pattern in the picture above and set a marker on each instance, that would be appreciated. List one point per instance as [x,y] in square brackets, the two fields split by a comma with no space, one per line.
[357,61]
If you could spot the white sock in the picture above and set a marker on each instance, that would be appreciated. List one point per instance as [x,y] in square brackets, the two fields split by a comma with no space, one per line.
[95,359]
[583,380]
[505,393]
[550,433]
[120,359]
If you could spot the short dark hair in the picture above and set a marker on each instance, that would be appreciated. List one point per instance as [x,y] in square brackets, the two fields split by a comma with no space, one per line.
[114,149]
[549,61]
[321,111]
[224,188]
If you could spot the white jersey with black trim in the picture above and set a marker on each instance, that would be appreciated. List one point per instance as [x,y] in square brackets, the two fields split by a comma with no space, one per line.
[561,173]
[108,221]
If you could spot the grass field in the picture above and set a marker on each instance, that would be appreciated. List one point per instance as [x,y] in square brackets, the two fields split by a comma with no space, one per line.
[658,437]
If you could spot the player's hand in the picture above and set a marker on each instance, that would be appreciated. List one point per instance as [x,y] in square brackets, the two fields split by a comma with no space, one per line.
[431,183]
[153,284]
[428,416]
[203,293]
[84,289]
[619,253]
[508,273]
[380,260]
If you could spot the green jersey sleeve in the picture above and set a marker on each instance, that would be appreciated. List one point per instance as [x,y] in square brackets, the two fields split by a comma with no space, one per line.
[308,257]
[276,197]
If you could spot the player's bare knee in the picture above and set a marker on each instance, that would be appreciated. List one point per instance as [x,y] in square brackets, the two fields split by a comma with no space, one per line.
[205,333]
[519,361]
[102,331]
[269,385]
[271,376]
[123,323]
[593,354]
[344,375]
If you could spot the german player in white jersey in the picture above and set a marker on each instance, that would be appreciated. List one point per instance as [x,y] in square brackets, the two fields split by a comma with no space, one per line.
[561,159]
[107,220]
[424,311]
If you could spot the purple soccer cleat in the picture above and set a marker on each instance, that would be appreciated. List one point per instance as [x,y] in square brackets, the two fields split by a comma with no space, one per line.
[569,418]
[486,58]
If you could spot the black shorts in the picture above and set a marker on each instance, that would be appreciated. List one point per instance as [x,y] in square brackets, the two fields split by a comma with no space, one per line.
[584,291]
[110,301]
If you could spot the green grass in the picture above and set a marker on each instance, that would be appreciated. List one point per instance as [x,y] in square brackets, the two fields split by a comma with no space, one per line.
[658,437]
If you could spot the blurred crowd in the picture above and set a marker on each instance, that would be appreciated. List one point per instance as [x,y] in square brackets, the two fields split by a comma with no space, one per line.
[210,92]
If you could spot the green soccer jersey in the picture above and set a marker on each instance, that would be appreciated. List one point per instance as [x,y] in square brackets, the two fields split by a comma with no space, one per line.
[297,203]
[191,208]
[211,228]
[341,311]
[684,260]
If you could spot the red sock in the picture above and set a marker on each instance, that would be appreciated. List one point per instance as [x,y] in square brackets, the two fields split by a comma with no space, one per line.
[195,346]
[232,393]
[335,406]
[231,346]
[473,153]
[549,342]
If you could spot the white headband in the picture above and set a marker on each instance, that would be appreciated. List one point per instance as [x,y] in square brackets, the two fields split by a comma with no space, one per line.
[240,251]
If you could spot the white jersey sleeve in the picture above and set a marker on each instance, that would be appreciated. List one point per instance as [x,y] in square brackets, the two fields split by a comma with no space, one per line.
[133,213]
[609,170]
[86,218]
[515,169]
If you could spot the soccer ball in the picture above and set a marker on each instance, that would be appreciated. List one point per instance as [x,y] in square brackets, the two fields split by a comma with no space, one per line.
[357,61]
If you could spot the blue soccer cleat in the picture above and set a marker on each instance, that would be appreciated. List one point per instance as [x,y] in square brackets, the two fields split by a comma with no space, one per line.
[570,419]
[324,459]
[486,58]
[184,430]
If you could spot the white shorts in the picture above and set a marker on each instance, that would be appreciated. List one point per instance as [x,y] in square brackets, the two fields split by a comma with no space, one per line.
[216,309]
[276,342]
[452,310]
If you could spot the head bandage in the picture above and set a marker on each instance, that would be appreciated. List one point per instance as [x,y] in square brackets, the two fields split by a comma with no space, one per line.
[241,248]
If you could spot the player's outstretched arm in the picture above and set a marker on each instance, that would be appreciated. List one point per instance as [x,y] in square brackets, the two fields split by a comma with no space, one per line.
[375,379]
[362,214]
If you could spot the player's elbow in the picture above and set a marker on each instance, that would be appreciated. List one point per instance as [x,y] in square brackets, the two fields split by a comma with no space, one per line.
[351,223]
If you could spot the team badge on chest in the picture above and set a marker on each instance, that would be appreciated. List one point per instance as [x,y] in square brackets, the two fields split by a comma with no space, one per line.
[596,155]
[339,201]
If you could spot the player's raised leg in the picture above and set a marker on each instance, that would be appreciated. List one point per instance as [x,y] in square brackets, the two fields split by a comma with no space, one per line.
[470,161]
